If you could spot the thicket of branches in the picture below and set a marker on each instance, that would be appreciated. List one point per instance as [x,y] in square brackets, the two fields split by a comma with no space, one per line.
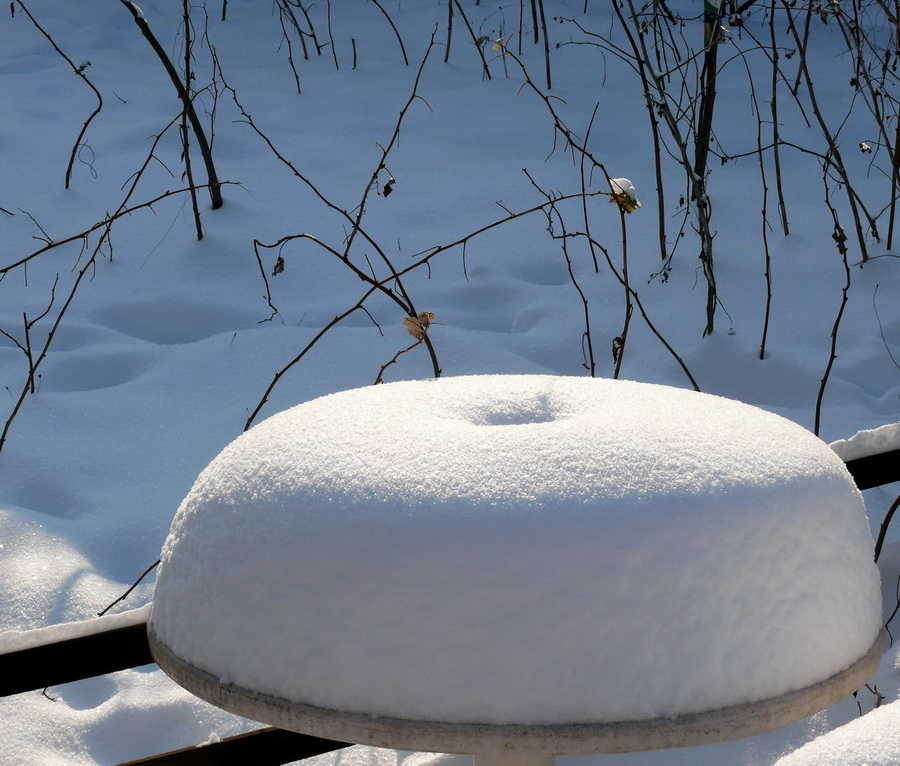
[678,64]
[679,68]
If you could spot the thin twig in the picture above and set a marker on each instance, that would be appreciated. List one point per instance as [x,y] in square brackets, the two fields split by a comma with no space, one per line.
[475,42]
[79,70]
[306,349]
[396,33]
[840,240]
[128,592]
[185,140]
[881,330]
[392,285]
[83,235]
[215,190]
[882,533]
[380,378]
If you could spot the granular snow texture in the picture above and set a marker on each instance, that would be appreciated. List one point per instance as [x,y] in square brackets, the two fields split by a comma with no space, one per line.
[527,549]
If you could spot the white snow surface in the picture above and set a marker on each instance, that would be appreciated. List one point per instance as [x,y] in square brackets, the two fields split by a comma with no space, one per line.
[626,187]
[16,640]
[867,741]
[505,549]
[870,441]
[164,350]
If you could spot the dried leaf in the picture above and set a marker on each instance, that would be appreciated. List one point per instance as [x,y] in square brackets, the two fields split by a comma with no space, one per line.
[418,326]
[628,204]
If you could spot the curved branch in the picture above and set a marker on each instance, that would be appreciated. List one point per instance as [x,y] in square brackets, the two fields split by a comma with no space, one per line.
[80,72]
[215,190]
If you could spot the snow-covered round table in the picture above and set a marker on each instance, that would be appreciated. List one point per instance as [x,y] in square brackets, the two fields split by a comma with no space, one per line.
[521,565]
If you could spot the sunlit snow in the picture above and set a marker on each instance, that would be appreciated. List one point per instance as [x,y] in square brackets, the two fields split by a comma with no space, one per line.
[170,343]
[506,549]
[869,442]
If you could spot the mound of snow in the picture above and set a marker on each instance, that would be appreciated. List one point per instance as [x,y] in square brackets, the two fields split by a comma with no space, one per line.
[873,441]
[527,549]
[867,741]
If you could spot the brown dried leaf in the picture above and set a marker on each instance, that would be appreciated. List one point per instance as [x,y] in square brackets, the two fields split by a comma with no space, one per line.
[418,326]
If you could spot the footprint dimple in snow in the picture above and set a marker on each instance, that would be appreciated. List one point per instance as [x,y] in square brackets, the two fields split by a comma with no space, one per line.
[91,370]
[524,320]
[489,306]
[171,321]
[72,336]
[87,694]
[28,64]
[520,418]
[505,412]
[7,342]
[543,272]
[42,493]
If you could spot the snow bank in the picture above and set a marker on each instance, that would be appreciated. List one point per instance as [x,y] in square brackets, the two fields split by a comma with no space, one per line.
[529,549]
[870,442]
[868,741]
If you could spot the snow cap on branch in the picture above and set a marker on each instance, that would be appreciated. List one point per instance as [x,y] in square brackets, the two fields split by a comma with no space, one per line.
[623,194]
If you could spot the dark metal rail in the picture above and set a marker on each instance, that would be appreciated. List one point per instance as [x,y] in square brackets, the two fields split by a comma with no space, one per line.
[875,470]
[60,662]
[107,651]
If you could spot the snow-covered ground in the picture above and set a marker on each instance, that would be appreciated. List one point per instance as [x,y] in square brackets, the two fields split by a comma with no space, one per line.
[169,344]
